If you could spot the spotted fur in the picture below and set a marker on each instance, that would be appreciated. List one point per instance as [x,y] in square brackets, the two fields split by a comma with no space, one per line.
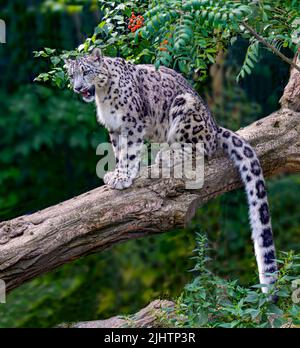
[246,161]
[138,102]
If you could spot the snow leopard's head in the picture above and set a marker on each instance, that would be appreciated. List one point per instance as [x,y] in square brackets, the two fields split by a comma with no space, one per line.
[86,73]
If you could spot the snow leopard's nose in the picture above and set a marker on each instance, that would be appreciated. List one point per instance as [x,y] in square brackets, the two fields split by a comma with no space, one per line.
[78,88]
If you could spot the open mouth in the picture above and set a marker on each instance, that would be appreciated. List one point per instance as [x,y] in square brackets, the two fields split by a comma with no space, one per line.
[88,93]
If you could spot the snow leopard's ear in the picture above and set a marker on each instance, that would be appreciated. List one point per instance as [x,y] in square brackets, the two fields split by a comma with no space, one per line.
[67,63]
[97,55]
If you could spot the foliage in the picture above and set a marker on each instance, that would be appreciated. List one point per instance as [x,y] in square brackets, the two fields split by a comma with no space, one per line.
[50,129]
[202,28]
[112,35]
[252,57]
[186,36]
[210,301]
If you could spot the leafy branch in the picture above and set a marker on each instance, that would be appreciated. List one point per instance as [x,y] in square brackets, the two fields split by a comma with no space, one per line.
[272,48]
[187,36]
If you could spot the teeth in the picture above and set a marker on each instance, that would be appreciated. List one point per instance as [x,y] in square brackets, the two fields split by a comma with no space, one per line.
[87,93]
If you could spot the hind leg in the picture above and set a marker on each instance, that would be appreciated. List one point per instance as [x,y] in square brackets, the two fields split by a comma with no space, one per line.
[192,123]
[193,132]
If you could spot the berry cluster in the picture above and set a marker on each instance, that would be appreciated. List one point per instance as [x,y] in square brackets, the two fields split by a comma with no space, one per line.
[135,22]
[162,45]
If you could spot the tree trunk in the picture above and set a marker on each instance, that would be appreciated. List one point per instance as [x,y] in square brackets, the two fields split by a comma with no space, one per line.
[291,95]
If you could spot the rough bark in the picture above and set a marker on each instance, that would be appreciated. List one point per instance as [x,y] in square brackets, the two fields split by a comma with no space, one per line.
[291,95]
[34,244]
[150,316]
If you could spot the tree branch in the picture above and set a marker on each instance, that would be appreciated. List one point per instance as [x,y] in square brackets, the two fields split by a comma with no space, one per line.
[34,244]
[155,315]
[272,48]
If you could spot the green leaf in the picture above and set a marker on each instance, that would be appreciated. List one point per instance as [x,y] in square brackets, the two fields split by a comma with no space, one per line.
[252,297]
[273,309]
[55,60]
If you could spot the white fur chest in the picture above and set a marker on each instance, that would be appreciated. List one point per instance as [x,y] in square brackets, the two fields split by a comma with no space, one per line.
[108,115]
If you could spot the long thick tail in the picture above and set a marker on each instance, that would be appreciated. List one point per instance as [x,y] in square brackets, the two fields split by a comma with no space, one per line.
[245,159]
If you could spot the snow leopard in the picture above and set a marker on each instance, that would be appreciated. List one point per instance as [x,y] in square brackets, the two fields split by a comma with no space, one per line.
[137,102]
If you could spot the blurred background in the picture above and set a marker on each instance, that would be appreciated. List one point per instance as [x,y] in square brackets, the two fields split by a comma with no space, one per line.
[48,154]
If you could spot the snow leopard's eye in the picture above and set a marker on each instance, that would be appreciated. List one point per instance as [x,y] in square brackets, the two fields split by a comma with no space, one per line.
[86,72]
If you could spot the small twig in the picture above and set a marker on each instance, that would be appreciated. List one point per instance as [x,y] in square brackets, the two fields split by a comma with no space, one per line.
[272,48]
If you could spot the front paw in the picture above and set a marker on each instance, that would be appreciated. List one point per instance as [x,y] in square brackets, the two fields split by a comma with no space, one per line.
[107,177]
[118,181]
